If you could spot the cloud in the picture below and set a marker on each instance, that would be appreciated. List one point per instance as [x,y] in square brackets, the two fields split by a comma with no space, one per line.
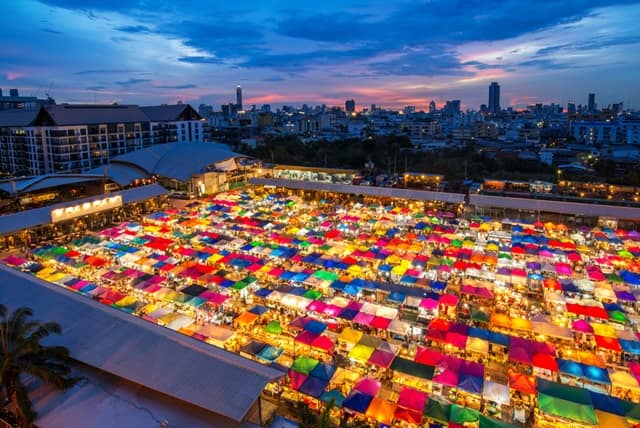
[186,86]
[108,71]
[273,79]
[199,59]
[132,81]
[50,30]
[134,29]
[95,88]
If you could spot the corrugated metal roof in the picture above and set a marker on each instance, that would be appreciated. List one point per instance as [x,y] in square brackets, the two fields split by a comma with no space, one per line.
[36,217]
[164,113]
[80,114]
[561,207]
[418,195]
[18,117]
[145,353]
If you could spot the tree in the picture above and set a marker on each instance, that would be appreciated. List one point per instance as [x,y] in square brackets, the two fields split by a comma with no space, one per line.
[24,354]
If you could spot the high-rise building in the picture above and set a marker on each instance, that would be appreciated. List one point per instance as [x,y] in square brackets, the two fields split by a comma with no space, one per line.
[350,106]
[592,103]
[452,108]
[432,107]
[239,97]
[494,98]
[571,108]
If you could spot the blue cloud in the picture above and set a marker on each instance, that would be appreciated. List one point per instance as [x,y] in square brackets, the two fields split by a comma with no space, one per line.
[200,60]
[135,29]
[132,81]
[186,86]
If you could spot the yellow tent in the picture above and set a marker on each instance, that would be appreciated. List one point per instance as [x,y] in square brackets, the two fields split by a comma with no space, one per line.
[604,330]
[608,420]
[361,353]
[350,335]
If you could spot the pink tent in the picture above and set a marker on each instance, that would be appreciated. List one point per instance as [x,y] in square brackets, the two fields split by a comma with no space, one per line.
[363,318]
[582,326]
[429,304]
[297,379]
[306,337]
[564,269]
[368,386]
[449,300]
[412,399]
[317,306]
[381,358]
[332,310]
[14,260]
[380,323]
[447,377]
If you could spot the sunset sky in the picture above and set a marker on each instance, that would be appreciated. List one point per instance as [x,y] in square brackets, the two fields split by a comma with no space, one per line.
[392,53]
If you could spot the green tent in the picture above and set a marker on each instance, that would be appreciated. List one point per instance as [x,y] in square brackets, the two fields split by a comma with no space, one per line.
[462,415]
[327,276]
[618,316]
[412,368]
[304,365]
[456,243]
[487,422]
[312,294]
[613,277]
[505,256]
[437,410]
[273,327]
[634,413]
[566,402]
[480,316]
[239,285]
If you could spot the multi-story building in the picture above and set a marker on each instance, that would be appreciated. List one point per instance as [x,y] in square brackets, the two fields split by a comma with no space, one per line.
[494,98]
[77,138]
[592,132]
[631,130]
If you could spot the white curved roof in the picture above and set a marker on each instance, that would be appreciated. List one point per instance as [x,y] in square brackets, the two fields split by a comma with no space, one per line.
[177,160]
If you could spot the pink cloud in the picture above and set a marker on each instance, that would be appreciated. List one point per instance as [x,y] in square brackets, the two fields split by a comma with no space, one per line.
[13,75]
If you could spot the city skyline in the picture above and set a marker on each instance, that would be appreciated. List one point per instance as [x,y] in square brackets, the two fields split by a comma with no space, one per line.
[406,53]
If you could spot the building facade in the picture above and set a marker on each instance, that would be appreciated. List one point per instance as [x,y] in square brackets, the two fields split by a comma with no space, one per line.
[76,138]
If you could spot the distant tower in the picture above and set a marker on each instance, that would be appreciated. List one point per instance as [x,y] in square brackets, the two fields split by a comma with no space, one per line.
[432,107]
[571,107]
[494,98]
[350,106]
[592,103]
[239,97]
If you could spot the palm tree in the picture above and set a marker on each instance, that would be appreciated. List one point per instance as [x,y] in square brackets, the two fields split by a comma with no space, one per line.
[23,354]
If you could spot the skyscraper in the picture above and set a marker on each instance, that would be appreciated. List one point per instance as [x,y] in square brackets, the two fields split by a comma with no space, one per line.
[432,107]
[494,98]
[592,103]
[239,97]
[350,106]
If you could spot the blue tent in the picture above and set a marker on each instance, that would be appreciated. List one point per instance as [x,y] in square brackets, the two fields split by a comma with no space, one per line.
[610,404]
[630,346]
[333,395]
[348,314]
[480,333]
[630,277]
[570,367]
[323,371]
[282,422]
[269,353]
[357,402]
[351,289]
[313,386]
[397,297]
[259,310]
[315,327]
[499,338]
[472,384]
[263,292]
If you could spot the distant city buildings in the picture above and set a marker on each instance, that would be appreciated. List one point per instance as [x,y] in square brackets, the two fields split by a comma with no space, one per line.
[350,106]
[14,101]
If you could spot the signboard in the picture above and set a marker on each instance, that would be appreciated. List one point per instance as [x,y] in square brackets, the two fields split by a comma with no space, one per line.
[86,208]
